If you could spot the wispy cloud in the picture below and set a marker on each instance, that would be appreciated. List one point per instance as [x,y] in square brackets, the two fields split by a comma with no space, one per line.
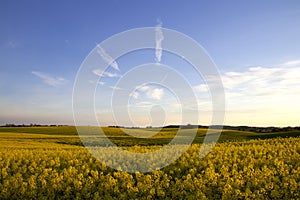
[115,88]
[144,104]
[102,73]
[158,41]
[143,88]
[201,88]
[107,58]
[292,63]
[262,81]
[97,82]
[49,80]
[264,94]
[256,81]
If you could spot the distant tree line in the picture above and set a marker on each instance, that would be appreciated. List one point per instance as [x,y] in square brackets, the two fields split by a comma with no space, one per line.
[116,126]
[188,126]
[262,129]
[240,128]
[30,125]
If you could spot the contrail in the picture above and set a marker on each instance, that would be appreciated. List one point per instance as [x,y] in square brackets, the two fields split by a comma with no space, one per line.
[164,78]
[107,58]
[158,40]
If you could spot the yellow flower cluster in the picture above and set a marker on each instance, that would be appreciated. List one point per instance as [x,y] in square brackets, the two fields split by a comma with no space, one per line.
[255,169]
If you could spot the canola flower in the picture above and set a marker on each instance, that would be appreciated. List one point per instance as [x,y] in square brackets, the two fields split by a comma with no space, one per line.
[255,169]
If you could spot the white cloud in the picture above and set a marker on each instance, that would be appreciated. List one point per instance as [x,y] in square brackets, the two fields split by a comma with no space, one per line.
[263,80]
[102,73]
[263,95]
[156,93]
[158,41]
[134,94]
[292,63]
[150,92]
[107,58]
[49,80]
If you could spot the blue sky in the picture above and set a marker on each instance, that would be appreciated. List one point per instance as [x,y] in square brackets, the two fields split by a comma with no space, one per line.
[255,45]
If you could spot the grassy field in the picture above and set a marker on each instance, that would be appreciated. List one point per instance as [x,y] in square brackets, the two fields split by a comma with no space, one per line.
[51,163]
[68,135]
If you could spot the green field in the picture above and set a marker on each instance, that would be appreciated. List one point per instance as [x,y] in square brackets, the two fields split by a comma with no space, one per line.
[68,135]
[51,163]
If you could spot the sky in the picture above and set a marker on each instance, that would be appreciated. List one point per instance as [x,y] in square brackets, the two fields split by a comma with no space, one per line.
[254,44]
